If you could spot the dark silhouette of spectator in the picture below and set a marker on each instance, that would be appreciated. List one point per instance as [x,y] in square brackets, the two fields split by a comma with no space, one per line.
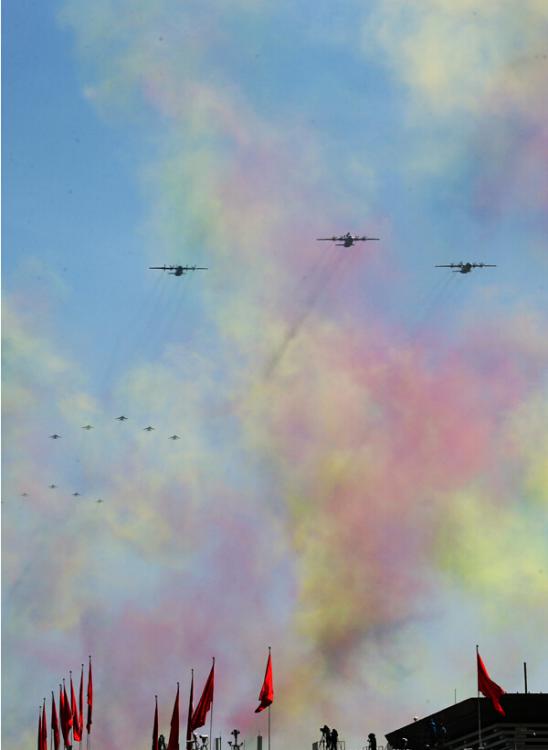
[433,732]
[437,733]
[326,734]
[334,739]
[442,734]
[372,741]
[161,742]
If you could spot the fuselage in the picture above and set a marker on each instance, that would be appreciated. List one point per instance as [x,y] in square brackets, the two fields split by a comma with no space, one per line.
[347,240]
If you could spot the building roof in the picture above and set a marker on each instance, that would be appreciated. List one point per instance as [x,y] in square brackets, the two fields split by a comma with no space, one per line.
[523,710]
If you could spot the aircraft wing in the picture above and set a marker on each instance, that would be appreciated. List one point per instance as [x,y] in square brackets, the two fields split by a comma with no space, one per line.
[449,265]
[329,239]
[361,239]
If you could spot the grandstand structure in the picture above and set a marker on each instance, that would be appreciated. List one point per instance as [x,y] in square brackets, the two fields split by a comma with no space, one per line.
[462,726]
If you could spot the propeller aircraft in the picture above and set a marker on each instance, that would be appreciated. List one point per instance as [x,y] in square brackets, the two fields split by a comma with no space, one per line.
[347,240]
[177,270]
[466,267]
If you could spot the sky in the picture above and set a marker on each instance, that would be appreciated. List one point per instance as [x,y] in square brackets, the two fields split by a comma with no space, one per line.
[361,479]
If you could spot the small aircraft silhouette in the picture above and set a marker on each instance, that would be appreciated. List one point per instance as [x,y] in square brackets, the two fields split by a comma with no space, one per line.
[87,427]
[99,500]
[55,436]
[121,419]
[347,240]
[75,494]
[174,437]
[466,267]
[148,429]
[52,486]
[24,494]
[177,270]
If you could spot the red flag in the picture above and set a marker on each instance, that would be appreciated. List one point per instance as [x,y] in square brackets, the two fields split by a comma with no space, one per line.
[55,723]
[61,713]
[489,688]
[39,739]
[173,743]
[64,717]
[266,696]
[190,712]
[44,728]
[155,727]
[90,697]
[205,702]
[76,736]
[81,705]
[68,711]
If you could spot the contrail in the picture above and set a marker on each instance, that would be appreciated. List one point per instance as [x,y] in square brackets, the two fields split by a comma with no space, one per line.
[324,272]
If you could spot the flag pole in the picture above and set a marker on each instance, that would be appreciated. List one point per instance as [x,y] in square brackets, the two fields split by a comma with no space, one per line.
[88,728]
[51,725]
[68,733]
[211,717]
[59,719]
[188,743]
[269,654]
[81,706]
[71,728]
[480,743]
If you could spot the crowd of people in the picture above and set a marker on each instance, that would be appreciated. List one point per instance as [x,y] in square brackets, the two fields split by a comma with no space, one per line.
[330,739]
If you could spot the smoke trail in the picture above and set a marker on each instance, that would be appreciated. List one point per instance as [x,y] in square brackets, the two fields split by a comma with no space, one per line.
[326,274]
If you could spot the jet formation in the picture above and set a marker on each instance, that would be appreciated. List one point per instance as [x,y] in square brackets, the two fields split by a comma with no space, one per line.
[122,418]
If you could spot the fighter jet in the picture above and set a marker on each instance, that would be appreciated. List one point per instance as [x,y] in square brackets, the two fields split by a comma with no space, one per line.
[148,429]
[174,437]
[347,240]
[55,436]
[465,267]
[177,270]
[121,418]
[87,427]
